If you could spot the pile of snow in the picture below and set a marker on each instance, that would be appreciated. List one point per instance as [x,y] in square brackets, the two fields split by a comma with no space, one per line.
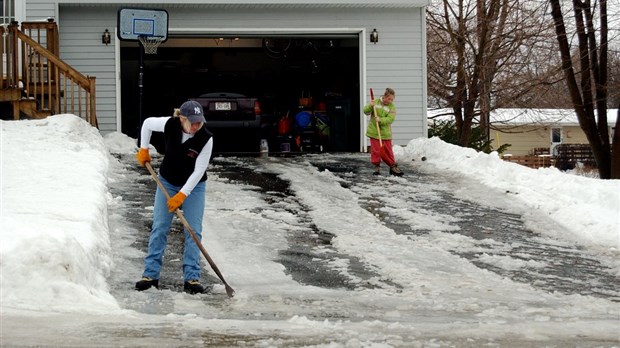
[588,208]
[55,245]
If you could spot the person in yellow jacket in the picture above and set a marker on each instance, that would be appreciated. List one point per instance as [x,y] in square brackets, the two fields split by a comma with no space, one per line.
[384,115]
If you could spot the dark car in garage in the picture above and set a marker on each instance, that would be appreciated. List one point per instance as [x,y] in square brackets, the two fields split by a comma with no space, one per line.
[230,110]
[235,119]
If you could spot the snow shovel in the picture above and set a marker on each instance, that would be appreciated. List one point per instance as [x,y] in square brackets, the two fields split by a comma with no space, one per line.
[374,114]
[229,290]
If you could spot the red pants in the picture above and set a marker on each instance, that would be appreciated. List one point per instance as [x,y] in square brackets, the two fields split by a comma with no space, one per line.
[378,153]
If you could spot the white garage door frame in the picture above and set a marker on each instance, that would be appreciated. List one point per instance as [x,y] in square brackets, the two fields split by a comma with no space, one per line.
[360,32]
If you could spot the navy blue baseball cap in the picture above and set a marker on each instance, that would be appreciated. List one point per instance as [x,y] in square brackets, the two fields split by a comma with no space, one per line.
[193,111]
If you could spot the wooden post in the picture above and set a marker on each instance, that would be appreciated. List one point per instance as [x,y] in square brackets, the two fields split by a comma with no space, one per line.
[93,102]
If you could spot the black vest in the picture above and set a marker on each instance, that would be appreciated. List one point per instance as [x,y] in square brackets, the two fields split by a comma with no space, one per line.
[180,158]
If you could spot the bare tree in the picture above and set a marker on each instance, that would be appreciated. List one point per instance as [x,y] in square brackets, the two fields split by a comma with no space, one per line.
[474,46]
[590,94]
[613,82]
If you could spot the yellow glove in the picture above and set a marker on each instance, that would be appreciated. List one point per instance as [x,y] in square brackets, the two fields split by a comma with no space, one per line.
[143,156]
[175,201]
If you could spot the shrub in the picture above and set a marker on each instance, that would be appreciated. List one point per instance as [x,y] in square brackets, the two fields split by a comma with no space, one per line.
[446,131]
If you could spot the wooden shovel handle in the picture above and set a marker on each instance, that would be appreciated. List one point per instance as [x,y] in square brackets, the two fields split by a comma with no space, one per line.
[374,114]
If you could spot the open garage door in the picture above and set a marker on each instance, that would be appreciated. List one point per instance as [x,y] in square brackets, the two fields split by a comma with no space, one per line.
[306,87]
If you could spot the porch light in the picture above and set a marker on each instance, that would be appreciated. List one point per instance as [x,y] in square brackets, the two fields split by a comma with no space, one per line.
[374,36]
[105,38]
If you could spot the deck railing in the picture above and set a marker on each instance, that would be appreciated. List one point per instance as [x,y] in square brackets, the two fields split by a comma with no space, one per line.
[31,64]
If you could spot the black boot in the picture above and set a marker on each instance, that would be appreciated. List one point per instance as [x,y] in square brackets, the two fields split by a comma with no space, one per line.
[377,170]
[147,283]
[394,170]
[193,287]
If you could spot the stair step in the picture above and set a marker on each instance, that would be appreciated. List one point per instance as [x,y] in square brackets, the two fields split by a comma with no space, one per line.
[10,94]
[29,108]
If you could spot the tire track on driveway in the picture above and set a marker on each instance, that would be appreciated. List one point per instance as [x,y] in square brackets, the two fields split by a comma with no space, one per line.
[310,258]
[491,238]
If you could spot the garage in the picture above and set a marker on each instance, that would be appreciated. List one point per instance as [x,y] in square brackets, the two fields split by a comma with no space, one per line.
[334,52]
[306,85]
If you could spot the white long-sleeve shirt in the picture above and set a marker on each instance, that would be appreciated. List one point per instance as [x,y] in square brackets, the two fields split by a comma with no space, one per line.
[157,124]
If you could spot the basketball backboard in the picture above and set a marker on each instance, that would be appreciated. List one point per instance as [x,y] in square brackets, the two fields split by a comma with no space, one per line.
[136,22]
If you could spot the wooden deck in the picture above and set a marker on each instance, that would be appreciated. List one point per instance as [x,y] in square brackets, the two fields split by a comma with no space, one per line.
[532,161]
[566,157]
[36,83]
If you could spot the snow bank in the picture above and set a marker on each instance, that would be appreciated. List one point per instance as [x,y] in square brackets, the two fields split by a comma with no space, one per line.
[55,249]
[586,207]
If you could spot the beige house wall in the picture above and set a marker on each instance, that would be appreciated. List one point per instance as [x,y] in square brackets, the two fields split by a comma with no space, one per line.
[574,135]
[524,139]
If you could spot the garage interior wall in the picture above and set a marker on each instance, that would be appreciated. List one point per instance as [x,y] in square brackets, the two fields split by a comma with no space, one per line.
[397,61]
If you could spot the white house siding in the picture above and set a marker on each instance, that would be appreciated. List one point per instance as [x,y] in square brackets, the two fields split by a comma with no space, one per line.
[81,47]
[397,61]
[40,10]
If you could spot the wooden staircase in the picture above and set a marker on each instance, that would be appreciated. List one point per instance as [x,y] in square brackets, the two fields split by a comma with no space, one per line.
[35,81]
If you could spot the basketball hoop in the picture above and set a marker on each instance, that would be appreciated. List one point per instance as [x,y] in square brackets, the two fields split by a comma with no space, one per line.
[150,43]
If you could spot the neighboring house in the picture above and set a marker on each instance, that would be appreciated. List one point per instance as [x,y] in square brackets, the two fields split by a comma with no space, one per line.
[529,129]
[218,46]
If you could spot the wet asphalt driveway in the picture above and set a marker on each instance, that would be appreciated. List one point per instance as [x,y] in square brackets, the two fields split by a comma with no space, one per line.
[573,271]
[498,234]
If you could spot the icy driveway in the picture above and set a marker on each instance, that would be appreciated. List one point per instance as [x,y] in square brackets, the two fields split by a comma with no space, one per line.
[322,253]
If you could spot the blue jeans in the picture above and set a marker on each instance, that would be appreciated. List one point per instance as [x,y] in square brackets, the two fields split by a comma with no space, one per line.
[193,209]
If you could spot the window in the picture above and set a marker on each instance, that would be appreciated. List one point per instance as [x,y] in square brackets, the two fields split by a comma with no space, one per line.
[556,135]
[7,11]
